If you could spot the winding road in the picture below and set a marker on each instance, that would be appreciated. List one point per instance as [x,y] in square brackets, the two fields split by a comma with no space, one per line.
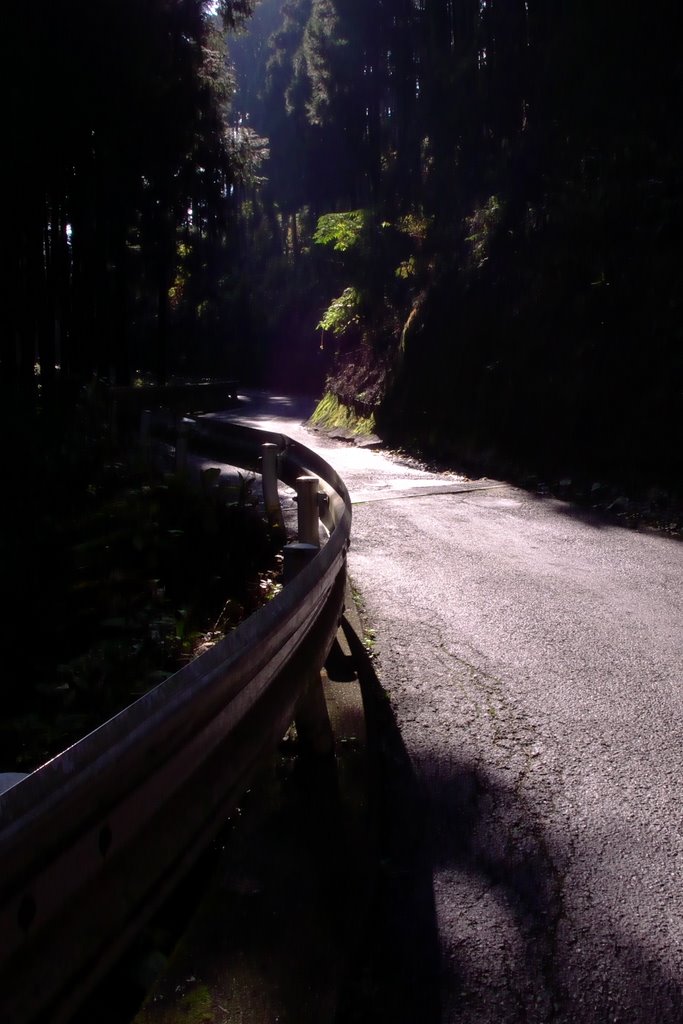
[533,831]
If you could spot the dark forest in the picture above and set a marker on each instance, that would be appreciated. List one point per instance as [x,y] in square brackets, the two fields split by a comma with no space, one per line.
[460,217]
[457,225]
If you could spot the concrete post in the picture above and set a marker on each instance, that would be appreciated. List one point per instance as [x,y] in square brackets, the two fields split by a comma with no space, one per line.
[271,497]
[307,515]
[311,717]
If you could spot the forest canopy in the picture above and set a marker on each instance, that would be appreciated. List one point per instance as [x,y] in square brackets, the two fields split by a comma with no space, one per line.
[517,169]
[400,202]
[122,183]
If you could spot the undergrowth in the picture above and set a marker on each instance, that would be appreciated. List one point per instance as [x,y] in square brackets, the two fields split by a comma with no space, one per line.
[330,412]
[119,576]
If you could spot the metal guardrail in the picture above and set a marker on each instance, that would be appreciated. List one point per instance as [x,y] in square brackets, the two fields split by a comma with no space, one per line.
[92,842]
[182,396]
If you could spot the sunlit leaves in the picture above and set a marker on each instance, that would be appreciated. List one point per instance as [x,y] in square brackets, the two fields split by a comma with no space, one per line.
[342,313]
[342,231]
[406,269]
[481,225]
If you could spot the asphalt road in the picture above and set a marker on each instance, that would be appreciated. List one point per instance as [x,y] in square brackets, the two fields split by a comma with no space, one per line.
[533,835]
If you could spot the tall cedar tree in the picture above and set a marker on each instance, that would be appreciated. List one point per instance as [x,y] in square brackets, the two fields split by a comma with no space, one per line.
[122,131]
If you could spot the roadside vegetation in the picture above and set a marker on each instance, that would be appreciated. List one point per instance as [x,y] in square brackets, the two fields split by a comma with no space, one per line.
[471,221]
[459,222]
[330,413]
[119,574]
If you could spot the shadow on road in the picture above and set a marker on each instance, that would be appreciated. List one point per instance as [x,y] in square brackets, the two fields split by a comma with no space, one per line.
[554,958]
[395,975]
[632,506]
[514,954]
[664,522]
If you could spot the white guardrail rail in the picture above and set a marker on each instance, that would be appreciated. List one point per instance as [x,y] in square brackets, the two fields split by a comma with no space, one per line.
[92,842]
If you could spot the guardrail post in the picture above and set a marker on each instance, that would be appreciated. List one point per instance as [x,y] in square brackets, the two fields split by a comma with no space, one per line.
[271,497]
[311,718]
[297,557]
[307,512]
[73,897]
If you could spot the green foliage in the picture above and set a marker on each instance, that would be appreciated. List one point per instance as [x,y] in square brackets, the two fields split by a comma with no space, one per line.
[193,1005]
[124,574]
[342,313]
[369,641]
[322,46]
[342,231]
[249,153]
[330,412]
[415,225]
[481,225]
[406,269]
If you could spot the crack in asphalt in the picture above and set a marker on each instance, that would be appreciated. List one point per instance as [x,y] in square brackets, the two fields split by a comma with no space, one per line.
[422,492]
